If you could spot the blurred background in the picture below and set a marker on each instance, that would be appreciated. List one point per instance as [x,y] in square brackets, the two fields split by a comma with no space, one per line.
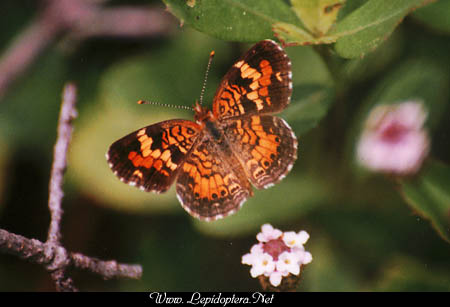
[363,235]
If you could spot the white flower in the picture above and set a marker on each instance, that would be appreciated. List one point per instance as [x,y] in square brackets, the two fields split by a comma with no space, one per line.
[249,259]
[257,249]
[268,233]
[262,263]
[275,279]
[293,239]
[307,258]
[394,140]
[288,262]
[277,254]
[254,255]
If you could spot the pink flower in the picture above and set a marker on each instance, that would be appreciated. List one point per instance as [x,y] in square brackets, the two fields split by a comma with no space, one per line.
[394,139]
[277,254]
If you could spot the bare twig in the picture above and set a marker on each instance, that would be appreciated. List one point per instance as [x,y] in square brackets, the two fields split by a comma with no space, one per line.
[107,269]
[60,260]
[52,254]
[28,249]
[60,161]
[38,252]
[33,250]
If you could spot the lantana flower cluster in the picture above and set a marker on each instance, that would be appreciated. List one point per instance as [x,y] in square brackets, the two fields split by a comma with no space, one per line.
[277,254]
[394,139]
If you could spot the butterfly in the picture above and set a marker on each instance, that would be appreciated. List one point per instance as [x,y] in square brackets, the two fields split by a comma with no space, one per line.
[217,158]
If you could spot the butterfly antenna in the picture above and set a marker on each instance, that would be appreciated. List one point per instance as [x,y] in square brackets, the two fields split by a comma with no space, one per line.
[211,55]
[165,105]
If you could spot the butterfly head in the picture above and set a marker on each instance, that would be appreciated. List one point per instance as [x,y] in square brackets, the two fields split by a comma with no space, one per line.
[202,114]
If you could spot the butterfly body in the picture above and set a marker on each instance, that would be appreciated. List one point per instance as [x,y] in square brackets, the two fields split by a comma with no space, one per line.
[218,157]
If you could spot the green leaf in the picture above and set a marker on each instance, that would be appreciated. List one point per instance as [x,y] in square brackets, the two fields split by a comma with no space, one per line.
[436,15]
[358,70]
[429,195]
[317,15]
[234,20]
[292,35]
[252,20]
[349,7]
[369,25]
[358,32]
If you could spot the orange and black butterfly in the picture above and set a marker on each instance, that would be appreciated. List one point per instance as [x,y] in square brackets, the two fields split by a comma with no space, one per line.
[216,158]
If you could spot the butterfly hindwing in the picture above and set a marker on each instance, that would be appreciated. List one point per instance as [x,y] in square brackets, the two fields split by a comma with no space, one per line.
[212,183]
[267,147]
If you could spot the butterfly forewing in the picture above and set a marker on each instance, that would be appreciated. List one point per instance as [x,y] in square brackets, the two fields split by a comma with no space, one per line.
[150,158]
[258,83]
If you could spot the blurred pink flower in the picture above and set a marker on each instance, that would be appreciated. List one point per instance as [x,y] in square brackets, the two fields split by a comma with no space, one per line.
[394,139]
[277,254]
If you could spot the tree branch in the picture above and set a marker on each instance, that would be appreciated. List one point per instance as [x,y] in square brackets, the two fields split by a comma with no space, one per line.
[52,254]
[107,269]
[32,250]
[60,161]
[60,259]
